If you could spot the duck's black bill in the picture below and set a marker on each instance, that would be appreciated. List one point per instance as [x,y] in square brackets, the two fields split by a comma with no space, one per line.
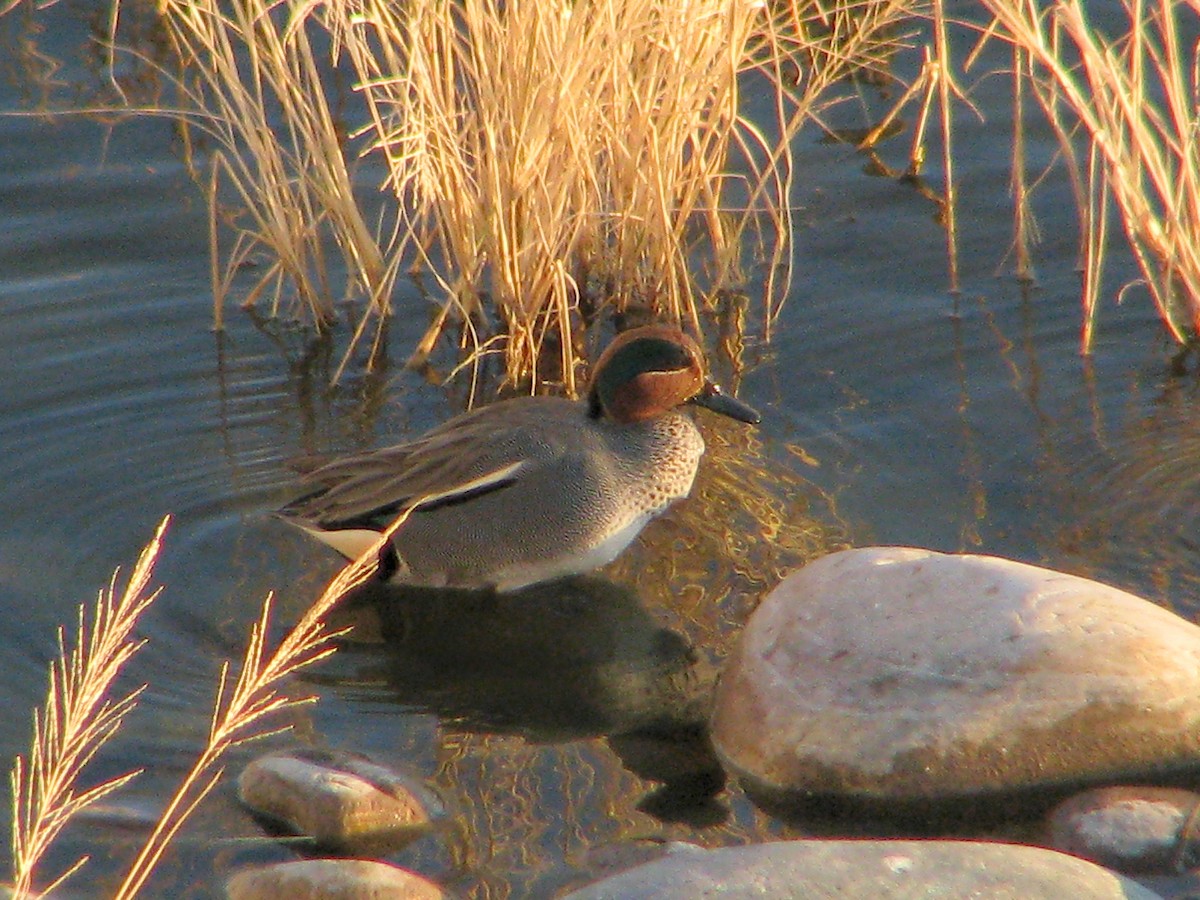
[712,398]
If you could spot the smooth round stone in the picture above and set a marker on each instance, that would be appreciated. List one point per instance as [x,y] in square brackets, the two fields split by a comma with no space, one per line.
[866,870]
[1133,829]
[895,674]
[337,798]
[331,879]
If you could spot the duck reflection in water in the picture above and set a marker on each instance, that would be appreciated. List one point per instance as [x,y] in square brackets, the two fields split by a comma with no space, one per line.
[576,658]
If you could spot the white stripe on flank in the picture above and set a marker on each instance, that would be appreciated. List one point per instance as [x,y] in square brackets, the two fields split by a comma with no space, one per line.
[469,487]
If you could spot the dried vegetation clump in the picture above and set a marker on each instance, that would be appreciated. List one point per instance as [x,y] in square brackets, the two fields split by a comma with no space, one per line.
[543,162]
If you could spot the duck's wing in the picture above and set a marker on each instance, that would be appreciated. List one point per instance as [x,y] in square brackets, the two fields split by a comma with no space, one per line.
[477,453]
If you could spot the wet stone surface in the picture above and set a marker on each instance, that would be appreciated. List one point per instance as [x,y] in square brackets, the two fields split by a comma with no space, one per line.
[339,799]
[866,870]
[1131,829]
[331,879]
[894,675]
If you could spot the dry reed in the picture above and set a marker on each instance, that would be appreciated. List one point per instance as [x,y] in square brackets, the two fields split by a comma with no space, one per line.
[545,159]
[253,83]
[1133,93]
[541,145]
[78,719]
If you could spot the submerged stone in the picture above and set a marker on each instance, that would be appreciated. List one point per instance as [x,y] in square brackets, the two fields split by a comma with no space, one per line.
[1132,829]
[866,870]
[895,674]
[339,799]
[331,879]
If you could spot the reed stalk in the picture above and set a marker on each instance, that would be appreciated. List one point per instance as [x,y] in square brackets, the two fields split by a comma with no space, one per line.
[945,87]
[77,720]
[1133,95]
[243,704]
[547,162]
[537,143]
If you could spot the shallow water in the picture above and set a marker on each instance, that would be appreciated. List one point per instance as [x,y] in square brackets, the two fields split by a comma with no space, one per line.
[894,413]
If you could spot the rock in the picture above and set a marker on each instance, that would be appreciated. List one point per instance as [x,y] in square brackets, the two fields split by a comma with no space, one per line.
[331,879]
[866,870]
[1132,829]
[895,674]
[339,799]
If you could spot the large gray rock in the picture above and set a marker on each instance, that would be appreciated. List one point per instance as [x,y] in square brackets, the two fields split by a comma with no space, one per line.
[902,674]
[866,870]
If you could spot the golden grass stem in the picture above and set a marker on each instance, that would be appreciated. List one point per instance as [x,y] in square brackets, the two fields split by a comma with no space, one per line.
[542,157]
[1096,234]
[1133,94]
[945,84]
[77,720]
[931,75]
[1024,229]
[241,707]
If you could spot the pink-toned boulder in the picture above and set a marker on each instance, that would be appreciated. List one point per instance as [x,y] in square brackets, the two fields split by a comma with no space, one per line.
[888,673]
[865,870]
[331,879]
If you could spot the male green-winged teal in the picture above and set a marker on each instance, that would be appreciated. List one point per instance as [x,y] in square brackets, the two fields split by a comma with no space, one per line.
[531,488]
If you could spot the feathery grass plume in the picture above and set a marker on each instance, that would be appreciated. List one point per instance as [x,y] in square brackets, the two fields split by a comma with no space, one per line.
[242,704]
[1134,94]
[77,720]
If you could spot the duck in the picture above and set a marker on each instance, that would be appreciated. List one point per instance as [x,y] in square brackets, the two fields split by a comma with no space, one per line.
[529,489]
